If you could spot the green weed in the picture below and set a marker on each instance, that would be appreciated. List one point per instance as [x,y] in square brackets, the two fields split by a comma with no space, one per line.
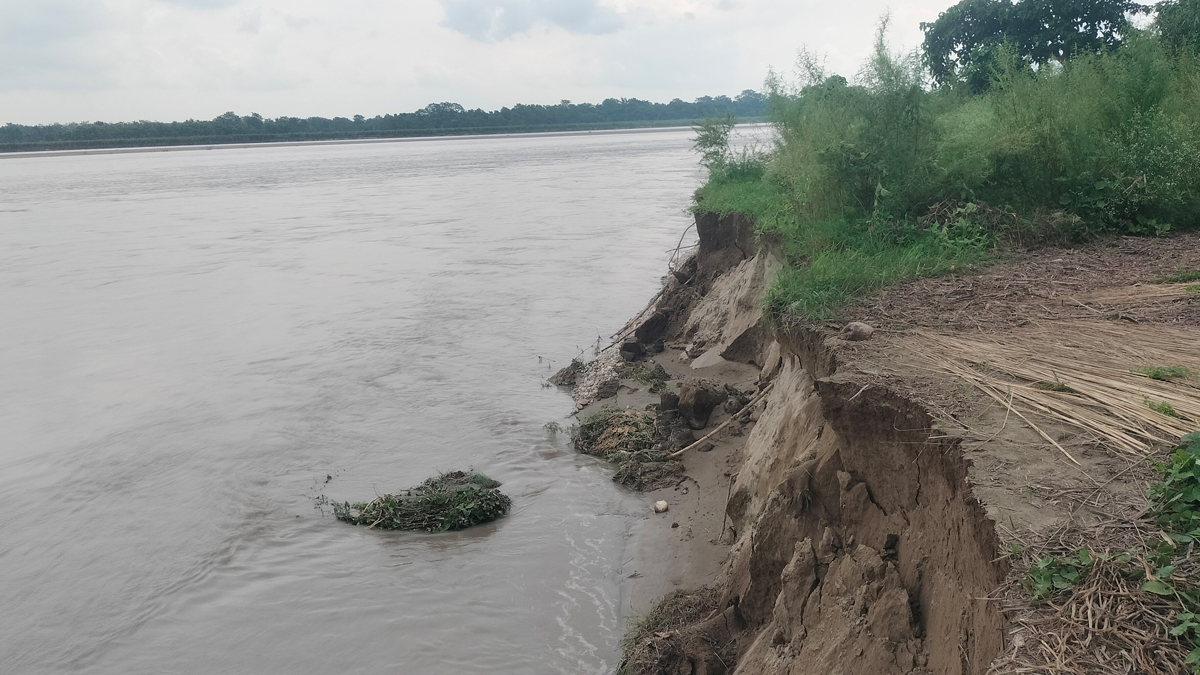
[1162,408]
[1176,500]
[1180,277]
[1050,576]
[1175,507]
[1165,373]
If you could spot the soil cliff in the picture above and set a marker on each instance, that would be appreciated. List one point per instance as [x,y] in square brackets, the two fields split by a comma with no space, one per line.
[885,494]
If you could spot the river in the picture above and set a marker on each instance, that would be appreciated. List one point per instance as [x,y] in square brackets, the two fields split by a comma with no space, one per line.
[196,345]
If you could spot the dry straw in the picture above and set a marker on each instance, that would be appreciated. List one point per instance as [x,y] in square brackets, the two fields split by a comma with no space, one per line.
[1084,374]
[1138,294]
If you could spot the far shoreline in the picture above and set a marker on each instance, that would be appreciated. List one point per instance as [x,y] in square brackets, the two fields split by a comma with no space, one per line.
[76,152]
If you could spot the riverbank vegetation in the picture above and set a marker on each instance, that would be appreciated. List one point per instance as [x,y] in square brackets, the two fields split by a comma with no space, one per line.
[435,119]
[1011,127]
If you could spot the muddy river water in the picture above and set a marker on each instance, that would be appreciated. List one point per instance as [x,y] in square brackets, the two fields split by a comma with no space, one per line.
[196,344]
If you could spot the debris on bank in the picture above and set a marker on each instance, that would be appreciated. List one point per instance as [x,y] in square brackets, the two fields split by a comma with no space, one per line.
[450,501]
[684,627]
[628,439]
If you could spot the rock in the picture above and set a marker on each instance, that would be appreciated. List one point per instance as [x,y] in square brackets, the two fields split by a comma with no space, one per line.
[631,350]
[568,376]
[709,359]
[707,447]
[660,506]
[697,399]
[680,438]
[856,331]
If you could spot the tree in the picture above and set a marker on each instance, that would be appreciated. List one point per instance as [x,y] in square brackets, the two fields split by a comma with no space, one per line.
[971,33]
[1178,24]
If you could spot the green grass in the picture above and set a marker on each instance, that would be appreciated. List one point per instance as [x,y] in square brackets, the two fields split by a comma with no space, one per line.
[1180,277]
[817,287]
[1163,408]
[1165,373]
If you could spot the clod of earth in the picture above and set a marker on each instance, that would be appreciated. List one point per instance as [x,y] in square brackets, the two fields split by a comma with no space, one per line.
[856,331]
[451,501]
[698,397]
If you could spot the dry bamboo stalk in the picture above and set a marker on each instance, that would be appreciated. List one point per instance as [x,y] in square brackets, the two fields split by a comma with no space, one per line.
[1096,361]
[757,397]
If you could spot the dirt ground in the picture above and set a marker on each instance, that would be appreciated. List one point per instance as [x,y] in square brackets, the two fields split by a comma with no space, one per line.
[1042,284]
[1042,502]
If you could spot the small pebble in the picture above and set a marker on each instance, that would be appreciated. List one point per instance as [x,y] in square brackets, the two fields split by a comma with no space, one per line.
[674,525]
[660,506]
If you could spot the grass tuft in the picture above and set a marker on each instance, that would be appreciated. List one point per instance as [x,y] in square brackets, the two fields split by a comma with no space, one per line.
[1180,277]
[1165,373]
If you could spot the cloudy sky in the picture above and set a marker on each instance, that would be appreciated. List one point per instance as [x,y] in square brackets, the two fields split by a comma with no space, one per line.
[76,60]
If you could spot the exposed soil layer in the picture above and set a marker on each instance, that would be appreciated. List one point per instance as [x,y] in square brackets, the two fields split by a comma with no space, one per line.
[878,510]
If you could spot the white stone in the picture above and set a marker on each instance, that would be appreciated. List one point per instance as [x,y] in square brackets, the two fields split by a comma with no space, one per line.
[660,506]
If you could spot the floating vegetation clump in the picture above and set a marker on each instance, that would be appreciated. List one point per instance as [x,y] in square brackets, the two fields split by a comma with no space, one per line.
[451,501]
[626,437]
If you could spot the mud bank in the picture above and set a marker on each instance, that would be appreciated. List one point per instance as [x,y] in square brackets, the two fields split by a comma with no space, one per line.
[855,518]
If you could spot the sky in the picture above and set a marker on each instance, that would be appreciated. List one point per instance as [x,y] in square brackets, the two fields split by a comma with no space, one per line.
[122,60]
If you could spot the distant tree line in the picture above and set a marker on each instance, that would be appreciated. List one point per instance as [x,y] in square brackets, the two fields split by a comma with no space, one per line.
[432,120]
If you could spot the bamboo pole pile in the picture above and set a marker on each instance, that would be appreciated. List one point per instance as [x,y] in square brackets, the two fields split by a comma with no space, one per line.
[1084,374]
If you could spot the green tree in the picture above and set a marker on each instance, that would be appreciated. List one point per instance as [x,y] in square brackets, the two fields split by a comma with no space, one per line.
[965,40]
[1178,24]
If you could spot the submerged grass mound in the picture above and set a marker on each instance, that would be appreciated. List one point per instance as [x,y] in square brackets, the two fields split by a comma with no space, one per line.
[626,437]
[451,501]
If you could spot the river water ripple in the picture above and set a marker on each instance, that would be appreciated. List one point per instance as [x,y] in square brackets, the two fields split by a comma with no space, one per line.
[193,341]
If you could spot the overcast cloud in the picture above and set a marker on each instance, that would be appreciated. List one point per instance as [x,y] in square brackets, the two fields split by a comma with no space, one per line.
[74,60]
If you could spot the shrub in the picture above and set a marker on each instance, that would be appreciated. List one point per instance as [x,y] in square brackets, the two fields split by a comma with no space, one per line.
[885,178]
